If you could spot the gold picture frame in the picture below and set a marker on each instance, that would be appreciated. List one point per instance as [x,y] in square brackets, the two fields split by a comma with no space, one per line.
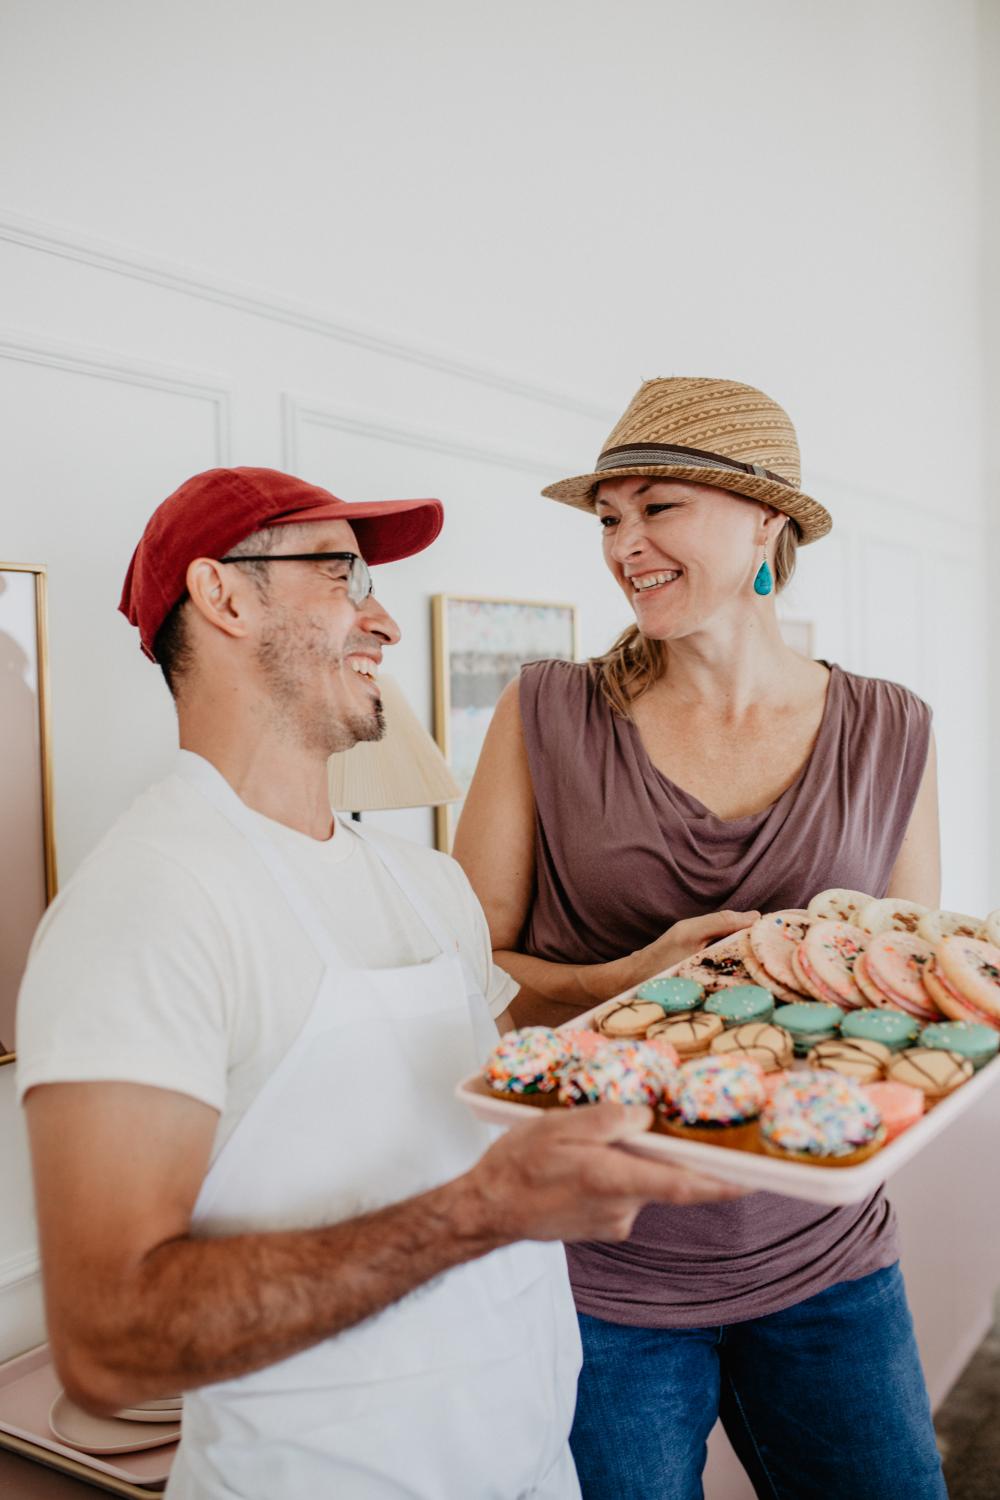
[28,878]
[479,645]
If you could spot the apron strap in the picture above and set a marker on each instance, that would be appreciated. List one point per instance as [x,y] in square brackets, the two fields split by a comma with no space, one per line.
[439,932]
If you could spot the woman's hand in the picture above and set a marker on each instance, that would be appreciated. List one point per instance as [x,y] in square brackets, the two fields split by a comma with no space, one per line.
[688,936]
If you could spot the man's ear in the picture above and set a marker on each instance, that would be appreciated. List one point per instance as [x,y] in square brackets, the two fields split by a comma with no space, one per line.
[221,594]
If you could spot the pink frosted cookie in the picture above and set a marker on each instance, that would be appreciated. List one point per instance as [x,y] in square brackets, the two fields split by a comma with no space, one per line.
[965,979]
[899,1104]
[891,972]
[718,967]
[824,962]
[772,941]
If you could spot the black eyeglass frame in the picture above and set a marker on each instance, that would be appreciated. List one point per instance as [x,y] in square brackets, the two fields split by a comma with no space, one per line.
[358,566]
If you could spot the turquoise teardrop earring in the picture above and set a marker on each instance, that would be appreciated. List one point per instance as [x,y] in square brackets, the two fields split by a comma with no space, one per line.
[763,583]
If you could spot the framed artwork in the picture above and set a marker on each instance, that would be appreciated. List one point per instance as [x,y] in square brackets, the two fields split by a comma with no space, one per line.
[479,646]
[27,836]
[799,634]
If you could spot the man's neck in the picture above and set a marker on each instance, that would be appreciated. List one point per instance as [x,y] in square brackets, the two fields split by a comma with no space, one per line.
[275,778]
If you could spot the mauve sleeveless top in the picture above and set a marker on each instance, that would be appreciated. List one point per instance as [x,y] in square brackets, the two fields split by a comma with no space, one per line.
[622,853]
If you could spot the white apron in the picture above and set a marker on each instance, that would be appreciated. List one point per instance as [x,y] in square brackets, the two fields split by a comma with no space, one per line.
[466,1387]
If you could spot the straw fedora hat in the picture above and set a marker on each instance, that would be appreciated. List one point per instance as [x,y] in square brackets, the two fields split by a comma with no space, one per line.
[711,432]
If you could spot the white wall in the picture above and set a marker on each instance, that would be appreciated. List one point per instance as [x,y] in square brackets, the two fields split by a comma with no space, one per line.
[433,250]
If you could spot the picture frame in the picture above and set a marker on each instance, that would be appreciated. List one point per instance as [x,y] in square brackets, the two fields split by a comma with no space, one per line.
[479,646]
[28,879]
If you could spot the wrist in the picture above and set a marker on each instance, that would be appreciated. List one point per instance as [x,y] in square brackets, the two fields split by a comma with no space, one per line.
[476,1218]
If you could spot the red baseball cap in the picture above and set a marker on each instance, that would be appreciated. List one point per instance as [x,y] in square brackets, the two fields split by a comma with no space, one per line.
[217,509]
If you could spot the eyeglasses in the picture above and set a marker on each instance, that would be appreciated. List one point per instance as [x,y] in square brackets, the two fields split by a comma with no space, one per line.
[359,579]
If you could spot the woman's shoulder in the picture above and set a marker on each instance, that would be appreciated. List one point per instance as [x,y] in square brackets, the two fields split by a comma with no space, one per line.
[557,699]
[880,700]
[556,675]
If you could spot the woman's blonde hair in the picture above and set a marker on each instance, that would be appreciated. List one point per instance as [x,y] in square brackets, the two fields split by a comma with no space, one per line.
[635,662]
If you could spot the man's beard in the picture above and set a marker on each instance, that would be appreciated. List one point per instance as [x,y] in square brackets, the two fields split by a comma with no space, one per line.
[293,655]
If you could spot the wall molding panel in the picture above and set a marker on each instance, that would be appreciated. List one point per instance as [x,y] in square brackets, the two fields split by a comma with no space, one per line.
[51,239]
[298,412]
[104,364]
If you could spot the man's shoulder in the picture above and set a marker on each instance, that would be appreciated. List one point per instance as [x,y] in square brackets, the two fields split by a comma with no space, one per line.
[169,850]
[430,867]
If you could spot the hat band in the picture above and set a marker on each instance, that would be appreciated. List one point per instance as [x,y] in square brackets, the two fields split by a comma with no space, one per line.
[687,458]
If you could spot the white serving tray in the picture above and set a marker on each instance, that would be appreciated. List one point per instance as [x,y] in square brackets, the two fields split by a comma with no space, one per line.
[754,1170]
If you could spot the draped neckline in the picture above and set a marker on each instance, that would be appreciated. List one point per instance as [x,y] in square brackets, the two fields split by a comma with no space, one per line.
[697,809]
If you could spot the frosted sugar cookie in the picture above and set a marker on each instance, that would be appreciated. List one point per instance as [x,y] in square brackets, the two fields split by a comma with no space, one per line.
[772,940]
[838,906]
[899,1105]
[852,1057]
[991,928]
[935,1073]
[760,975]
[935,925]
[674,996]
[890,1027]
[690,1035]
[825,959]
[738,1003]
[629,1019]
[809,1022]
[892,972]
[768,1045]
[965,980]
[718,967]
[971,1039]
[891,916]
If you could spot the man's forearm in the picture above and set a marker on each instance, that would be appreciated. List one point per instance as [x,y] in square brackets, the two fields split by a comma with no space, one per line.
[200,1310]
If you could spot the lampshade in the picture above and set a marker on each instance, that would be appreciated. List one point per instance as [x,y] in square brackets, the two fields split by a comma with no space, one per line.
[404,768]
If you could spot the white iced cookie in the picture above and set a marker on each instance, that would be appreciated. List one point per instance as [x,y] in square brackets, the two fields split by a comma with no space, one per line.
[891,916]
[935,925]
[991,928]
[838,906]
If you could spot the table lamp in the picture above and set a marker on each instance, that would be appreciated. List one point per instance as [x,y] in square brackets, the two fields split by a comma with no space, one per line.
[405,768]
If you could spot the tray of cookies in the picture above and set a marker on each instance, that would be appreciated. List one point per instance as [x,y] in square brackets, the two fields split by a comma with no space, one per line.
[845,1035]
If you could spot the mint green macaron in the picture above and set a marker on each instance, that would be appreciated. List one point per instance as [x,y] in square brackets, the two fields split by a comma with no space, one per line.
[674,995]
[809,1022]
[893,1028]
[740,1003]
[970,1039]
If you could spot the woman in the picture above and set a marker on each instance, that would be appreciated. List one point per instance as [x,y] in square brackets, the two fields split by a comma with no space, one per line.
[618,804]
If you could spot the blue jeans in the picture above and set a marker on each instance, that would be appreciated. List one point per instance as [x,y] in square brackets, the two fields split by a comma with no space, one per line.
[823,1401]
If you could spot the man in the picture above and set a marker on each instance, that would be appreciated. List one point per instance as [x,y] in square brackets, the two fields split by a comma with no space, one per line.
[240,1032]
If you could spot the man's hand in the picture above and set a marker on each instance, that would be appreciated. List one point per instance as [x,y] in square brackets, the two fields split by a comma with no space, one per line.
[565,1177]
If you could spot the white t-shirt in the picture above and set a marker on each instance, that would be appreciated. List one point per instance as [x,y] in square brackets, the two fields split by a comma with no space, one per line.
[172,958]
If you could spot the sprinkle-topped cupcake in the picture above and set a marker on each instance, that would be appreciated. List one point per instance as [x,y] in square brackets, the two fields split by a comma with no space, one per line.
[718,1099]
[823,1118]
[623,1072]
[528,1061]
